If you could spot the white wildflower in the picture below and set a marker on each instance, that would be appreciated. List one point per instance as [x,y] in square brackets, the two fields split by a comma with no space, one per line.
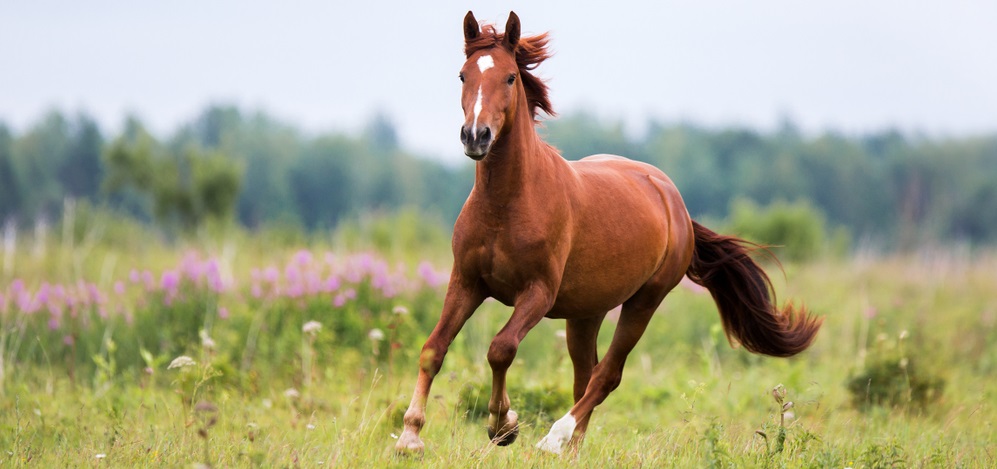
[183,361]
[206,340]
[311,327]
[376,335]
[100,455]
[292,393]
[310,426]
[400,310]
[903,334]
[561,334]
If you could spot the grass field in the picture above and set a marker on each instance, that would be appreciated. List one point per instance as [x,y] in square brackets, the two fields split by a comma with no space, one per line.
[902,374]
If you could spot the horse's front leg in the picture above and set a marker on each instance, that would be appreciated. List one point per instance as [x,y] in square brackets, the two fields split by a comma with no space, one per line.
[461,300]
[530,307]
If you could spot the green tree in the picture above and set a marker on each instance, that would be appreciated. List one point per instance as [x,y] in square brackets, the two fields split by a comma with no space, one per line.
[37,157]
[10,195]
[326,182]
[81,171]
[265,148]
[186,188]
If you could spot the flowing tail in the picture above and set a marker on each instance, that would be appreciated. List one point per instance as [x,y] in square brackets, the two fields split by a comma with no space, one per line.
[745,298]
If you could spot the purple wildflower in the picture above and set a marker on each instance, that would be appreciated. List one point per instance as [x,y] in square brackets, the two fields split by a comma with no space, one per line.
[429,275]
[303,257]
[96,296]
[339,300]
[25,302]
[42,296]
[332,283]
[147,279]
[271,274]
[170,280]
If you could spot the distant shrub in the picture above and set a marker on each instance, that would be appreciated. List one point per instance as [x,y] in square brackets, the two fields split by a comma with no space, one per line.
[891,379]
[537,405]
[796,230]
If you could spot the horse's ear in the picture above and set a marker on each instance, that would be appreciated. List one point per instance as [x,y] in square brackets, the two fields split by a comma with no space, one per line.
[512,31]
[471,29]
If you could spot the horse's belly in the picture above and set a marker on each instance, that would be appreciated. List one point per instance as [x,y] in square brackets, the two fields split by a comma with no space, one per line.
[598,285]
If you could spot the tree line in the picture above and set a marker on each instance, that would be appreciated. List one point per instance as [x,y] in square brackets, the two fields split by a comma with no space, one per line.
[895,188]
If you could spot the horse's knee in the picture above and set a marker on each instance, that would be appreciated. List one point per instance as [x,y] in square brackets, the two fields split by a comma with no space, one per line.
[431,358]
[501,353]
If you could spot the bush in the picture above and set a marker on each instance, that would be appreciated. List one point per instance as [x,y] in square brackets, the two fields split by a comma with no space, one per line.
[796,231]
[537,405]
[891,379]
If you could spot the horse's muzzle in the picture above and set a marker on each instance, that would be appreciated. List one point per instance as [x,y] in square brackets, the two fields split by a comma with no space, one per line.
[476,146]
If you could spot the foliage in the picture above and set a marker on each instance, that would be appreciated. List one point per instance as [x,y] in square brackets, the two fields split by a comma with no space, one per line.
[187,188]
[538,405]
[891,379]
[793,231]
[90,382]
[889,189]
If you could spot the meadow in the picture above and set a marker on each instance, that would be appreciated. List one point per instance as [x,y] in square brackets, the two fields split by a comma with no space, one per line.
[274,350]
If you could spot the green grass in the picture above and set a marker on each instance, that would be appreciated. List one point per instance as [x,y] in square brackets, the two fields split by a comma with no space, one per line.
[687,399]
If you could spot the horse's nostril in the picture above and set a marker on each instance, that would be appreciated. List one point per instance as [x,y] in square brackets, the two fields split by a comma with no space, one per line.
[463,135]
[484,135]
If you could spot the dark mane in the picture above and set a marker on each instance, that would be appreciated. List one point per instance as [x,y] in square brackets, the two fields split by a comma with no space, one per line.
[530,52]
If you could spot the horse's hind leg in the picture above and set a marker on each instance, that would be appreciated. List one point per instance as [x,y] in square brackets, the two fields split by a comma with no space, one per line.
[606,375]
[582,335]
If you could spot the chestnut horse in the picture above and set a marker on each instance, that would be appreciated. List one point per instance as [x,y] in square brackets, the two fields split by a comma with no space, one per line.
[573,240]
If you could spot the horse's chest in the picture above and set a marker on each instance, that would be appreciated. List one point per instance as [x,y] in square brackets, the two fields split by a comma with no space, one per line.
[506,267]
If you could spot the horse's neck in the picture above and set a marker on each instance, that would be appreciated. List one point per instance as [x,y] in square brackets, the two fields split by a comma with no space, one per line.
[519,163]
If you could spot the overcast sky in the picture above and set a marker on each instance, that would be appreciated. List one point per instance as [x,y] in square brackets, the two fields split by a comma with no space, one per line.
[852,66]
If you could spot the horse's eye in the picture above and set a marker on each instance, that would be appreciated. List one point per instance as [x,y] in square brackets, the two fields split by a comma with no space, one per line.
[461,77]
[511,79]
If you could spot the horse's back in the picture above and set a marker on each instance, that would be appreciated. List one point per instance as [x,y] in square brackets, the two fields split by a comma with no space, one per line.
[630,222]
[604,172]
[605,165]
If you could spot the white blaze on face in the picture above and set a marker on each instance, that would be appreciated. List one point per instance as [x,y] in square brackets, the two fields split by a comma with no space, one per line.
[559,434]
[484,63]
[477,110]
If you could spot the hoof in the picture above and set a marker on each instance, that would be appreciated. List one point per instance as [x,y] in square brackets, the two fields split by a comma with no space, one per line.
[508,431]
[560,433]
[504,439]
[409,444]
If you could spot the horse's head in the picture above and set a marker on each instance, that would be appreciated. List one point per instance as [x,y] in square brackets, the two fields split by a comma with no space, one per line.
[490,92]
[497,82]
